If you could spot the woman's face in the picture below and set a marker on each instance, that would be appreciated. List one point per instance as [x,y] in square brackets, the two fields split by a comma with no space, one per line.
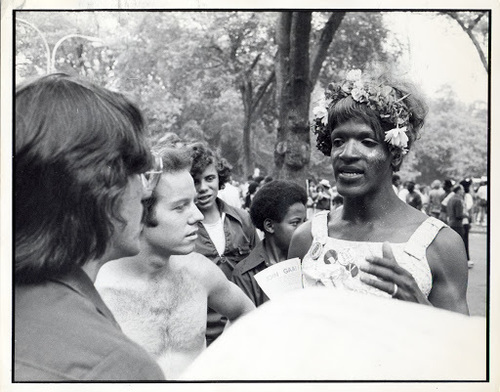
[207,188]
[361,161]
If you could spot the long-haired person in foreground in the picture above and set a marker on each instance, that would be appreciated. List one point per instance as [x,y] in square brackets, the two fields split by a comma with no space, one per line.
[82,169]
[376,243]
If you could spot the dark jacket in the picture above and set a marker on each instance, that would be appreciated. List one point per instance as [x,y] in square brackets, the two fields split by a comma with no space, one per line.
[241,238]
[64,332]
[243,274]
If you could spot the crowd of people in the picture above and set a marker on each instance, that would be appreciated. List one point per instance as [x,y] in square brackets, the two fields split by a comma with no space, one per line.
[131,259]
[460,204]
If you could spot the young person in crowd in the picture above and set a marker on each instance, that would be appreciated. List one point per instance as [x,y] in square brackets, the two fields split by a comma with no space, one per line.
[278,208]
[413,198]
[226,235]
[435,198]
[468,217]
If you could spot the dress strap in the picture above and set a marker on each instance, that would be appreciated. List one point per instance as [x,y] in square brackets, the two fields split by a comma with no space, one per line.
[423,237]
[319,226]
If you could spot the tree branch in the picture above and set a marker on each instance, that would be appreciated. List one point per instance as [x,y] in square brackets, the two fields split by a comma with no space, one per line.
[476,21]
[321,50]
[254,63]
[468,31]
[262,90]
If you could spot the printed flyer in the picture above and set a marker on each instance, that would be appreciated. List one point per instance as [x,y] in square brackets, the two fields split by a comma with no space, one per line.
[281,278]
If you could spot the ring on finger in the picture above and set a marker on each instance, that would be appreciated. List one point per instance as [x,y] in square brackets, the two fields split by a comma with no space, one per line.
[395,291]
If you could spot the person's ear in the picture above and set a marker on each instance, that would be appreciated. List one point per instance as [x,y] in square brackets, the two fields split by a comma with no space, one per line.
[268,226]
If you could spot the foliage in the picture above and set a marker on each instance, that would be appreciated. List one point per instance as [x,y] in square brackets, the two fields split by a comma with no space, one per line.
[453,143]
[359,42]
[208,75]
[71,54]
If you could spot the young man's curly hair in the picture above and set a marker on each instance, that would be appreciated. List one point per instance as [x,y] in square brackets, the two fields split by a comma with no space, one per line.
[202,156]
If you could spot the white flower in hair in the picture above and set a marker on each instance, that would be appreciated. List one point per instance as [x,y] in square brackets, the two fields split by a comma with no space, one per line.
[353,75]
[359,95]
[322,113]
[397,137]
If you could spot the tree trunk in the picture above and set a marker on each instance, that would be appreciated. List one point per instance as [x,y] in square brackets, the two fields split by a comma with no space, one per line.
[292,150]
[246,97]
[295,79]
[251,102]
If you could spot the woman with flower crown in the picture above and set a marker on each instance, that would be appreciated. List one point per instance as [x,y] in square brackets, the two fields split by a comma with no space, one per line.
[376,243]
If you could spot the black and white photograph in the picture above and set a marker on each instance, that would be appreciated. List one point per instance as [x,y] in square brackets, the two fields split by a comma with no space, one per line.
[207,196]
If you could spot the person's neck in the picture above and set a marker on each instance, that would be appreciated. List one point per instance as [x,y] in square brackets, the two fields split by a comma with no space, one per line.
[146,265]
[274,253]
[370,207]
[91,268]
[211,215]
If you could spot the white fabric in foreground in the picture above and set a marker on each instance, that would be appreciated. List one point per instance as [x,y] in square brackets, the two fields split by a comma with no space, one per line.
[325,334]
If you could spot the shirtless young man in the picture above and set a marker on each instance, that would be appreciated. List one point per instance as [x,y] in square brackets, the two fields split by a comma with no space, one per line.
[160,296]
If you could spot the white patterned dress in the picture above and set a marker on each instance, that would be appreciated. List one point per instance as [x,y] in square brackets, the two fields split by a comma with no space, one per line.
[335,262]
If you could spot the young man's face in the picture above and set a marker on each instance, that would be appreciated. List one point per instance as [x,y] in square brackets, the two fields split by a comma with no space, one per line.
[207,186]
[176,214]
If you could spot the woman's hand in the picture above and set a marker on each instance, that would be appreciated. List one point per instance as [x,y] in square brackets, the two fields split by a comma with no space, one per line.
[393,279]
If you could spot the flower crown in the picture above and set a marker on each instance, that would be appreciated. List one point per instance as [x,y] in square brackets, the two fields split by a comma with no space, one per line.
[381,98]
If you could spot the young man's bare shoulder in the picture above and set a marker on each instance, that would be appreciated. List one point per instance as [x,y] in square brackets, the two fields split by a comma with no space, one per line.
[199,268]
[194,264]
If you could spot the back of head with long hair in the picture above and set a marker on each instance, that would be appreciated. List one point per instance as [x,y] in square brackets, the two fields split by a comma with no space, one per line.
[76,144]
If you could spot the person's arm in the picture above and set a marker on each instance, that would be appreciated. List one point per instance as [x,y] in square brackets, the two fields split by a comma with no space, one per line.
[448,262]
[223,296]
[301,241]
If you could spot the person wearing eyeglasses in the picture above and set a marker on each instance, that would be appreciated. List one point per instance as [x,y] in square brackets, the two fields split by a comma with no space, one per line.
[80,160]
[160,296]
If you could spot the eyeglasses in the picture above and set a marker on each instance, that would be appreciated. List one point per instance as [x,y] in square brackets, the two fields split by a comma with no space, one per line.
[151,178]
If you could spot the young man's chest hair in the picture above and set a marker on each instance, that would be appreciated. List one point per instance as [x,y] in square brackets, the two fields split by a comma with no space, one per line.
[166,314]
